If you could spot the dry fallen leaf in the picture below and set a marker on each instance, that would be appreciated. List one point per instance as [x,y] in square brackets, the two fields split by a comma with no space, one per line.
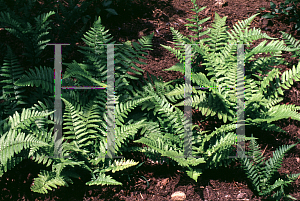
[205,13]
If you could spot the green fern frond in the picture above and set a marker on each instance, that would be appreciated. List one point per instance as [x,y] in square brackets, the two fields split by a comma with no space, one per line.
[217,34]
[261,176]
[194,173]
[274,47]
[267,81]
[272,102]
[11,163]
[47,181]
[291,42]
[27,117]
[288,76]
[78,130]
[103,179]
[125,131]
[12,95]
[123,109]
[119,165]
[41,158]
[248,36]
[40,77]
[165,150]
[32,37]
[274,163]
[279,112]
[197,22]
[13,143]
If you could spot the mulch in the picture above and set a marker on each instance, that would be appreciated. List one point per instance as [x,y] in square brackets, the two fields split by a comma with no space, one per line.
[230,183]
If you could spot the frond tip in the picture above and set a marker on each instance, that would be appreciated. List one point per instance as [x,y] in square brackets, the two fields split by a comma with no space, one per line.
[103,179]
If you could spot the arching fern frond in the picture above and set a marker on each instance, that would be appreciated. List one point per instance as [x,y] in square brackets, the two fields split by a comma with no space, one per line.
[13,143]
[197,22]
[292,43]
[12,95]
[42,76]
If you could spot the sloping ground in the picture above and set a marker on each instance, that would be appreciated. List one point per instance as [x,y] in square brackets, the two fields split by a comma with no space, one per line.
[222,184]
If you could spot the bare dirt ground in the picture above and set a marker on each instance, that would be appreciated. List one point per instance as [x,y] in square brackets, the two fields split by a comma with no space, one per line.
[222,184]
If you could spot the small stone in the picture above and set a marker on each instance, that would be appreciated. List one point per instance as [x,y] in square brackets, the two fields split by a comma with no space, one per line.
[178,195]
[241,196]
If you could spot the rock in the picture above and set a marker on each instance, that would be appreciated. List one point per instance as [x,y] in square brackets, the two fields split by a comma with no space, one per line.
[241,196]
[178,195]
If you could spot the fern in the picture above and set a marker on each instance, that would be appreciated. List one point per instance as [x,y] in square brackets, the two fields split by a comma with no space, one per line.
[31,37]
[291,42]
[262,175]
[120,165]
[12,96]
[125,58]
[218,54]
[288,77]
[47,181]
[103,179]
[164,134]
[29,134]
[12,144]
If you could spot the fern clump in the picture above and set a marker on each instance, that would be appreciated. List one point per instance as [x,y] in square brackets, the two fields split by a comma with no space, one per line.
[261,173]
[218,53]
[28,133]
[166,134]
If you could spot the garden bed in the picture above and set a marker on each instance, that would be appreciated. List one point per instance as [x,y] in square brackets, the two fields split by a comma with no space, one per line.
[222,184]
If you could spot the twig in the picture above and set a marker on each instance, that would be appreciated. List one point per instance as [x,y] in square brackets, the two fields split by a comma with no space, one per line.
[170,42]
[191,12]
[264,150]
[142,196]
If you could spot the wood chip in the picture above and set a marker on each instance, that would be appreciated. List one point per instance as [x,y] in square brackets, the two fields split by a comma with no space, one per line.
[180,20]
[205,13]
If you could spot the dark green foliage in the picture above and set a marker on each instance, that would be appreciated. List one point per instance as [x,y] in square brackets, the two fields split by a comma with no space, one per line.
[33,36]
[11,96]
[294,11]
[67,15]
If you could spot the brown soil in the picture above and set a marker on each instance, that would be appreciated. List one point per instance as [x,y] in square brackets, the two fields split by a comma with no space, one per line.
[222,184]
